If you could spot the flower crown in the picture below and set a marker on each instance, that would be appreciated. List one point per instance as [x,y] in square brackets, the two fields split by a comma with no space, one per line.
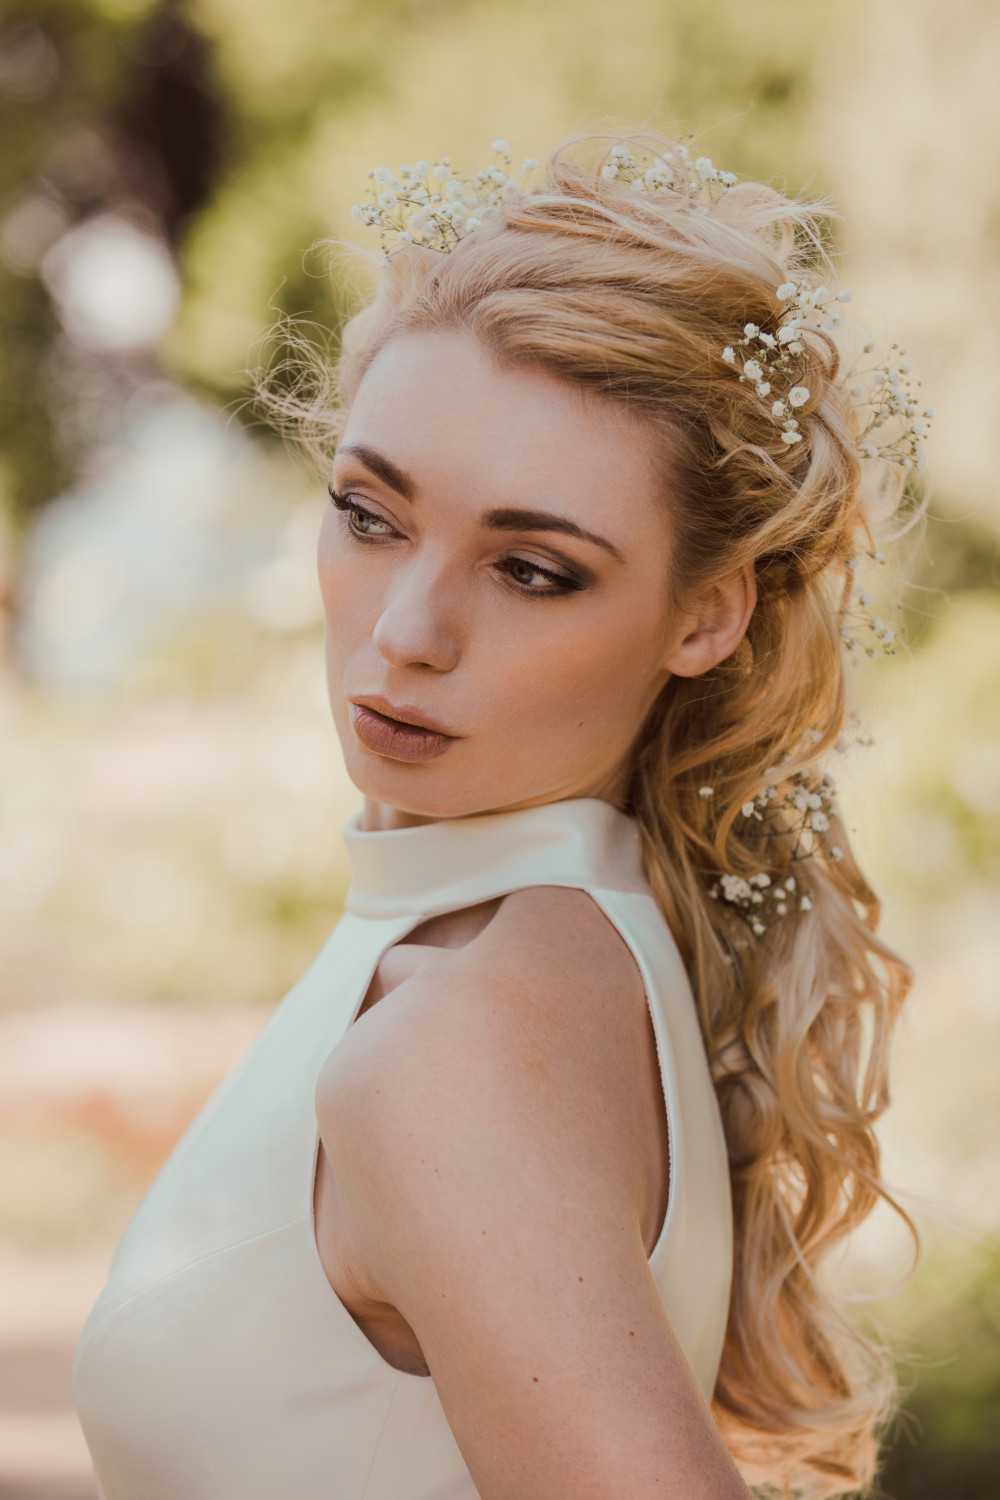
[436,208]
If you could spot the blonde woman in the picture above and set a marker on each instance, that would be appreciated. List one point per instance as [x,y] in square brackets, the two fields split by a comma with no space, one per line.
[524,1190]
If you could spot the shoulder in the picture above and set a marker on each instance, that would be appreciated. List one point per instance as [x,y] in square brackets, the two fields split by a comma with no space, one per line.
[523,1046]
[547,1002]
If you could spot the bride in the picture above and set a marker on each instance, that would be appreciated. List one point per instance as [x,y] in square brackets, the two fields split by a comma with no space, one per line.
[525,1189]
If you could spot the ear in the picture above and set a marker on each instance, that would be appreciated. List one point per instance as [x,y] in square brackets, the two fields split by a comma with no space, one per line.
[711,630]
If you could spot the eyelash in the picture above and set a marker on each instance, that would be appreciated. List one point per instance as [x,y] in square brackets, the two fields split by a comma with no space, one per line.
[346,503]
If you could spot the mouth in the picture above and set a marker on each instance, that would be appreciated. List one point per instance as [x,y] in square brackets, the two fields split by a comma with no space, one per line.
[398,732]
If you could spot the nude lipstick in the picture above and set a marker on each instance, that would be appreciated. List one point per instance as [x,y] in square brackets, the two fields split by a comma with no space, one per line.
[395,736]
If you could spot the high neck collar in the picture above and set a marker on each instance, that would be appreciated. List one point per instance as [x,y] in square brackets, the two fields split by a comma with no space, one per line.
[437,867]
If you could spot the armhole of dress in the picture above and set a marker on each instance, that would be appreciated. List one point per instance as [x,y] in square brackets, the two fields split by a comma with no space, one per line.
[605,901]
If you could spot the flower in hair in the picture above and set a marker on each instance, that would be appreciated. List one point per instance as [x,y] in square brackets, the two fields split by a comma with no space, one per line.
[883,392]
[435,207]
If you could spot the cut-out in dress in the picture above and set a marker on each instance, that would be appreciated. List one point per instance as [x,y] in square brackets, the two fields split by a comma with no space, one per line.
[218,1363]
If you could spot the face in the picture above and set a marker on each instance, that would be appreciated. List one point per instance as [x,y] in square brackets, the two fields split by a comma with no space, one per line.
[493,571]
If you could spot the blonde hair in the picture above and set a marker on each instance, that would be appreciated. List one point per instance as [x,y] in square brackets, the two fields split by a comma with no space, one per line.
[634,297]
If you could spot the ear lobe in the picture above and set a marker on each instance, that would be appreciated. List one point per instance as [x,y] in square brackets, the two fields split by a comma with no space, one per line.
[715,627]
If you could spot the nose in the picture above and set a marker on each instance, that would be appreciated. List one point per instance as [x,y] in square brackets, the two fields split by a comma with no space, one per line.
[417,626]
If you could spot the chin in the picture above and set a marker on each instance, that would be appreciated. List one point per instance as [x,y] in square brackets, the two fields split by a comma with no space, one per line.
[421,791]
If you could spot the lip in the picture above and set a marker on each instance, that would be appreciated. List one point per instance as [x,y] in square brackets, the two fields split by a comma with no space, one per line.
[398,731]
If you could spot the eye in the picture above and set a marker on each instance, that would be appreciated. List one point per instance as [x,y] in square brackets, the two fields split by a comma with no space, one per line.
[532,579]
[360,521]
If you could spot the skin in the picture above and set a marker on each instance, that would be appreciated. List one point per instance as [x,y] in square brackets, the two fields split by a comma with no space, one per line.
[501,1079]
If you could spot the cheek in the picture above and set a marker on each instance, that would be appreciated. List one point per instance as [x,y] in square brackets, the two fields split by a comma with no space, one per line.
[602,678]
[346,608]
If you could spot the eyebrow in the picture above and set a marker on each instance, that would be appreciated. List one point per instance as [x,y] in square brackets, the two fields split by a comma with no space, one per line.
[511,519]
[508,518]
[383,468]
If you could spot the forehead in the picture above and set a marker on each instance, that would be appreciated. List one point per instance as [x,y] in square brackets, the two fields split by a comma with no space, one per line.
[442,409]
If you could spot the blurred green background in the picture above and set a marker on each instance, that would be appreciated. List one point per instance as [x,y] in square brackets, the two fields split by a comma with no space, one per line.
[170,787]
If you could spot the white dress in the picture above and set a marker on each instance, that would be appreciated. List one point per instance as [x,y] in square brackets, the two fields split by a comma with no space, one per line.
[218,1363]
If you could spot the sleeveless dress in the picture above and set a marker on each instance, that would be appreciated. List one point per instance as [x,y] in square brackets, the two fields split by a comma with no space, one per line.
[218,1363]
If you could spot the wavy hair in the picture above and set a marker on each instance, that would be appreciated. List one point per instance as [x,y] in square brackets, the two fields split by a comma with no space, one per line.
[633,297]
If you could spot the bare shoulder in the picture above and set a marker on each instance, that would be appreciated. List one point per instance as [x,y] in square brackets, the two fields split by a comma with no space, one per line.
[517,1073]
[541,1017]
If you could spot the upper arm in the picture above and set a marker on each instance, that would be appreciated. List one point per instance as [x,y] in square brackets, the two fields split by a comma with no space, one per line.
[484,1162]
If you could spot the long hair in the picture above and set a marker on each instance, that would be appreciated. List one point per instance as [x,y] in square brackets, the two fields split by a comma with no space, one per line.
[634,297]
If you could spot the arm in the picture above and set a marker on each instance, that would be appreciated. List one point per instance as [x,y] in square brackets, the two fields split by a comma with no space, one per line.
[491,1187]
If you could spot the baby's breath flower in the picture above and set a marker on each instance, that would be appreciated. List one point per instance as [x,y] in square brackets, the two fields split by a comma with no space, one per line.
[382,174]
[502,147]
[729,354]
[706,791]
[798,395]
[750,330]
[752,370]
[787,291]
[530,164]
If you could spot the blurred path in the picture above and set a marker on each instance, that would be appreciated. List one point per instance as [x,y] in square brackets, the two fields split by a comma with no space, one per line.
[91,1102]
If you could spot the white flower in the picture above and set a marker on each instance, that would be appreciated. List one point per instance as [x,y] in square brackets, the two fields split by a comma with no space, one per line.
[382,174]
[820,295]
[747,809]
[805,904]
[405,237]
[819,822]
[778,409]
[442,172]
[752,370]
[791,437]
[728,178]
[767,340]
[455,190]
[786,291]
[357,212]
[609,171]
[844,296]
[798,395]
[763,879]
[750,330]
[729,354]
[835,320]
[387,200]
[758,928]
[787,332]
[706,791]
[763,388]
[419,170]
[781,909]
[703,166]
[472,223]
[870,451]
[529,164]
[502,147]
[928,412]
[836,852]
[795,347]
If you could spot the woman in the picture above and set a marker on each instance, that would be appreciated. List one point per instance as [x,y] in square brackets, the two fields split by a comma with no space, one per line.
[598,1046]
